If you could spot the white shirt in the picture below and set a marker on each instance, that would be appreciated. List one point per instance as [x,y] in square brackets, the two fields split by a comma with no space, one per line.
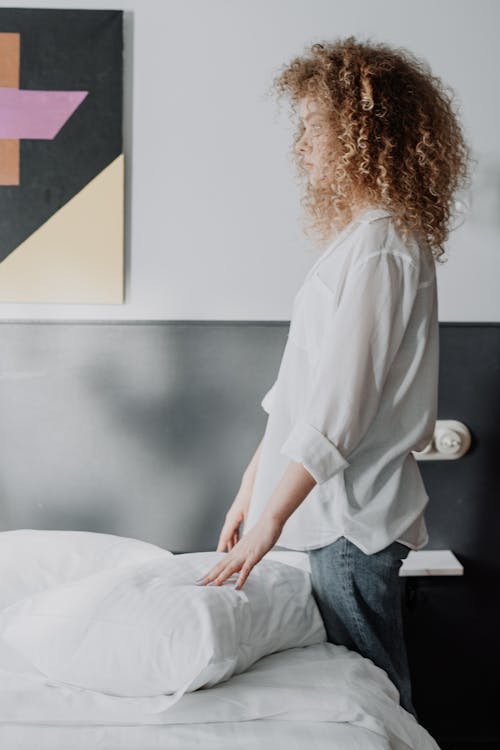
[356,392]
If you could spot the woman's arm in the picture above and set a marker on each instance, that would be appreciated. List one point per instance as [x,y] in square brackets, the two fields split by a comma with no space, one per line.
[237,513]
[248,477]
[291,490]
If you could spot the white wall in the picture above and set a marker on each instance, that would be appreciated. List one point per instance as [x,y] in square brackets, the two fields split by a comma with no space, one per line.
[213,216]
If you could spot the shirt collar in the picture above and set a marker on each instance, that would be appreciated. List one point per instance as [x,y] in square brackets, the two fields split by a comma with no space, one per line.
[365,216]
[372,213]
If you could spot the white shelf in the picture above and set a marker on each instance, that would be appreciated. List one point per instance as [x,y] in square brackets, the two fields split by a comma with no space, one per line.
[438,562]
[441,562]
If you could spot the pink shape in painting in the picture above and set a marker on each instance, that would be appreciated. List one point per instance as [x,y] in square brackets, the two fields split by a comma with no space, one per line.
[36,114]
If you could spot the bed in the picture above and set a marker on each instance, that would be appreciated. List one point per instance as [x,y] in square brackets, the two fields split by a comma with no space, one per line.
[263,708]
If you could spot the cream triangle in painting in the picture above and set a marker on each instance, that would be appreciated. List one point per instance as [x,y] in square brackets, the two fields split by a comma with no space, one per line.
[76,256]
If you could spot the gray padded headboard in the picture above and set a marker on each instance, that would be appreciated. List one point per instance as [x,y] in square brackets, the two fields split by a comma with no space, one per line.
[137,429]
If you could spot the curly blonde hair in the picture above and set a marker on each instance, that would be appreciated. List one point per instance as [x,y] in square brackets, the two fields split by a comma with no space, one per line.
[395,138]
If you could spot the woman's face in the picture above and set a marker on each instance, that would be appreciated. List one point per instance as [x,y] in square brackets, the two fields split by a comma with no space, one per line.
[313,137]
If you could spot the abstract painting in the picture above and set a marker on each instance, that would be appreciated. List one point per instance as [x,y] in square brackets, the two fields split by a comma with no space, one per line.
[61,156]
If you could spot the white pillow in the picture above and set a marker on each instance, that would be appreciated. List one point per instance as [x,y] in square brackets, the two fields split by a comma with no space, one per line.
[290,557]
[32,560]
[148,629]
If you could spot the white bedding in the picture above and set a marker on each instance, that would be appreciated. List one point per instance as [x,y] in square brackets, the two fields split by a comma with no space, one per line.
[318,695]
[295,692]
[248,735]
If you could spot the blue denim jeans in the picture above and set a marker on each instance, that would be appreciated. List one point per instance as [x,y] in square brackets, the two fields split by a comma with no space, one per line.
[359,598]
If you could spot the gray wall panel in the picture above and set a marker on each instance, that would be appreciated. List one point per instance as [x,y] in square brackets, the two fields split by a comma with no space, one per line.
[129,428]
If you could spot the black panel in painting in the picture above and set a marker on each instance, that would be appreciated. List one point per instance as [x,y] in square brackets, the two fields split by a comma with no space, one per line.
[64,50]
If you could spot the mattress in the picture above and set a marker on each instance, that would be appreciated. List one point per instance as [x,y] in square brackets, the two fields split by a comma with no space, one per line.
[263,734]
[322,696]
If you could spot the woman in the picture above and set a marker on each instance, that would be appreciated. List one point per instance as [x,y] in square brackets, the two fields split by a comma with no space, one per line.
[356,391]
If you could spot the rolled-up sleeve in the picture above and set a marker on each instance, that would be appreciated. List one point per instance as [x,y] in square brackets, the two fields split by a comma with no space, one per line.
[362,335]
[267,401]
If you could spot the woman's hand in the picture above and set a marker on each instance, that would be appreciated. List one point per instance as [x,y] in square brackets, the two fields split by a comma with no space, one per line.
[247,552]
[236,514]
[238,511]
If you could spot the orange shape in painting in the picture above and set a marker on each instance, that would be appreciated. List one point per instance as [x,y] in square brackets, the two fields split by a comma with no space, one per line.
[10,56]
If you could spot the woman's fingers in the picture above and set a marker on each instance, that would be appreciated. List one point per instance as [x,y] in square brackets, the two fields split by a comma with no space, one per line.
[224,540]
[229,541]
[221,572]
[205,578]
[245,572]
[233,541]
[226,572]
[228,534]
